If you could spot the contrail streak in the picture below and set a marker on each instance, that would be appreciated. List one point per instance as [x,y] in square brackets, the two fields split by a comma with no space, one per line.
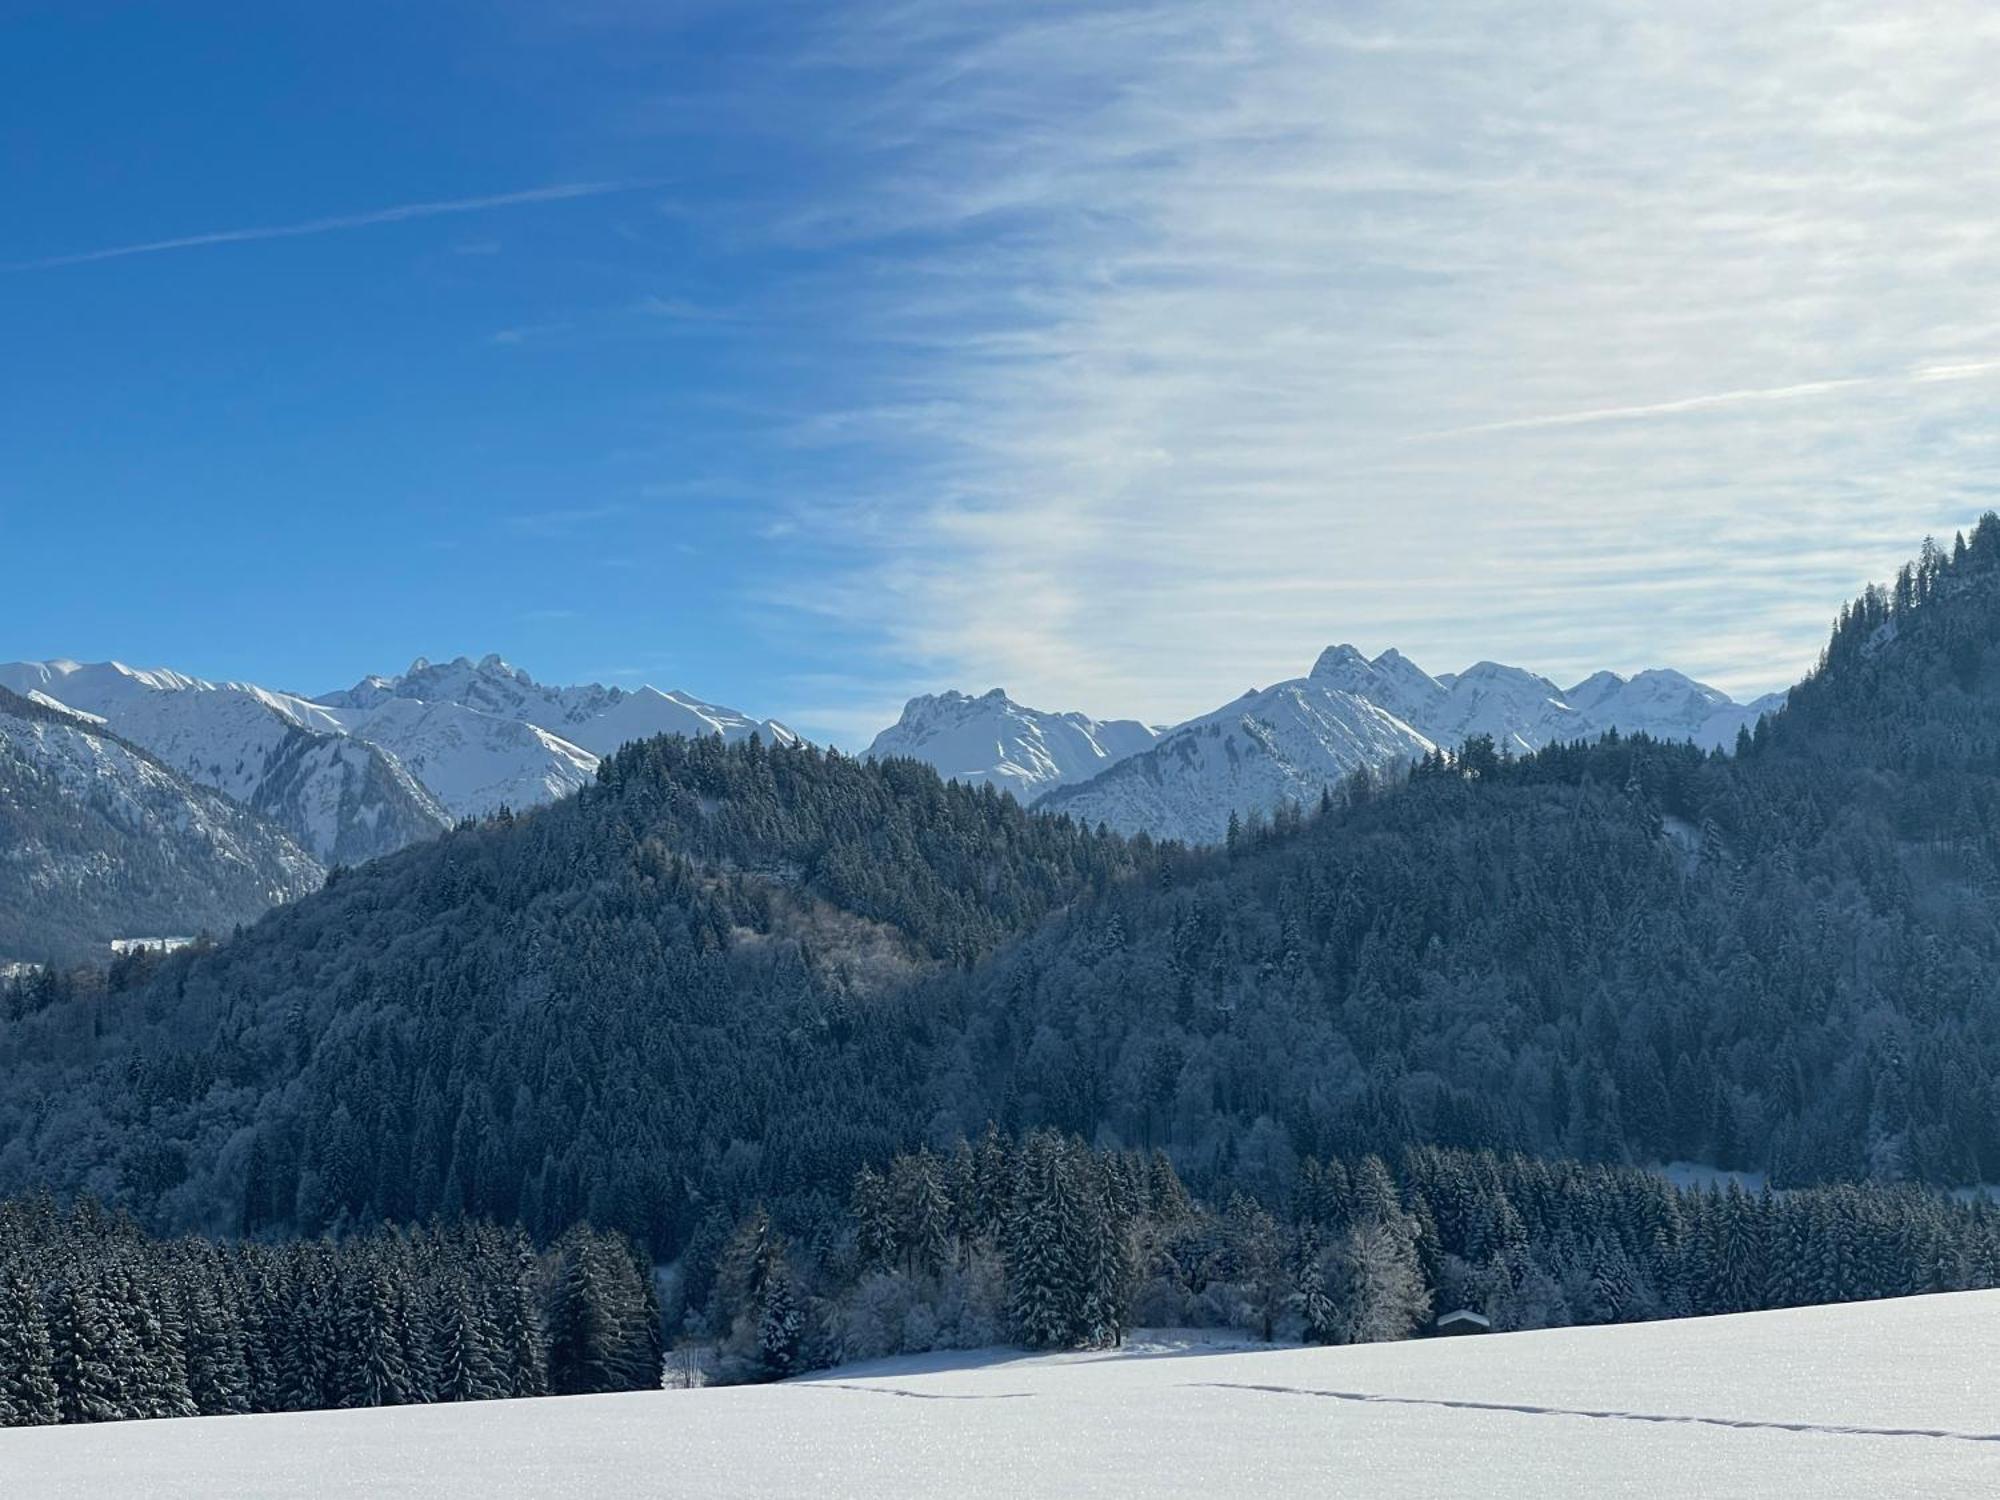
[554,194]
[1923,375]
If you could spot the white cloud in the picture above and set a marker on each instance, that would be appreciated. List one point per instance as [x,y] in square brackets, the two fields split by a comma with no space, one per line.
[1166,292]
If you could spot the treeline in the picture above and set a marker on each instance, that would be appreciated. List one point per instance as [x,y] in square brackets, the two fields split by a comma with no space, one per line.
[1032,1242]
[99,1322]
[1050,1244]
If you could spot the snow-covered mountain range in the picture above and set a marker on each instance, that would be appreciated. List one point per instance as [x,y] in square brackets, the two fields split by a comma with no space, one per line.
[1523,711]
[1287,743]
[598,719]
[100,840]
[341,798]
[350,775]
[1283,744]
[358,773]
[1021,750]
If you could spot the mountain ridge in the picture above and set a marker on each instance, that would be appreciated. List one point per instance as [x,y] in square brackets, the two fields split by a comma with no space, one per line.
[370,769]
[991,738]
[101,840]
[1295,741]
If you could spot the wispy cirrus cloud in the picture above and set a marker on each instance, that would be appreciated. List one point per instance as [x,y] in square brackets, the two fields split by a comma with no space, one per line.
[1171,303]
[401,213]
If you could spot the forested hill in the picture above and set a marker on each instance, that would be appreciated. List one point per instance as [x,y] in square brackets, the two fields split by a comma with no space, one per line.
[692,978]
[724,975]
[1910,681]
[1787,959]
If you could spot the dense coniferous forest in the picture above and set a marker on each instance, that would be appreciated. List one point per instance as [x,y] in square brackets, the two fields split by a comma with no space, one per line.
[99,1322]
[692,1002]
[558,1017]
[1051,1244]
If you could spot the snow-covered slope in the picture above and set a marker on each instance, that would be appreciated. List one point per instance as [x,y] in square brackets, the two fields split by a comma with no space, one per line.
[1667,705]
[1021,750]
[599,719]
[1523,711]
[98,839]
[472,762]
[1286,743]
[1870,1399]
[1282,745]
[363,772]
[289,759]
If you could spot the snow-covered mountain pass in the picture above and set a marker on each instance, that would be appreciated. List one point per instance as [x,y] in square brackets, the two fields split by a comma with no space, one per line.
[1021,750]
[1863,1400]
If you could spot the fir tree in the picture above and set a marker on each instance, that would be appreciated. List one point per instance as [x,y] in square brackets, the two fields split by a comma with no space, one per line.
[84,1347]
[28,1395]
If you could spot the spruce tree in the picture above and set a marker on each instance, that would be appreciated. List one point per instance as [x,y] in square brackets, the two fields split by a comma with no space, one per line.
[218,1374]
[781,1323]
[28,1395]
[582,1330]
[1044,1277]
[83,1344]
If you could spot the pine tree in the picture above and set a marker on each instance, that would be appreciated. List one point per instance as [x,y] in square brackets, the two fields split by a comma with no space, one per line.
[1107,1268]
[874,1224]
[28,1395]
[1044,1279]
[309,1352]
[374,1335]
[920,1211]
[84,1344]
[155,1338]
[218,1375]
[1257,1260]
[780,1325]
[582,1331]
[523,1358]
[1315,1305]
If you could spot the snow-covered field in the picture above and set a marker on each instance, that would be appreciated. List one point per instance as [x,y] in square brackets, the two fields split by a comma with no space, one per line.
[1888,1398]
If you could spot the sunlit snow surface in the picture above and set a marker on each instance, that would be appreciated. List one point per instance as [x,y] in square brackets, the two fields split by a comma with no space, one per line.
[1874,1399]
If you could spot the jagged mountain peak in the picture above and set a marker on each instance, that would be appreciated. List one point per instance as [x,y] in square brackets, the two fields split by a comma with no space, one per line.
[590,715]
[1287,742]
[992,739]
[289,759]
[1340,660]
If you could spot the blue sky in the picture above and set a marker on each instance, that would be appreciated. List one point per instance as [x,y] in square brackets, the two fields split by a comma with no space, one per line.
[808,356]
